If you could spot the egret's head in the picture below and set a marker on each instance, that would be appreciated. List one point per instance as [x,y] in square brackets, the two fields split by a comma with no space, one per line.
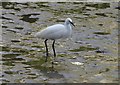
[69,21]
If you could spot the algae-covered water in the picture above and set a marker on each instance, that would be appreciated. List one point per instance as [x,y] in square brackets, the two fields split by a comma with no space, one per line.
[91,55]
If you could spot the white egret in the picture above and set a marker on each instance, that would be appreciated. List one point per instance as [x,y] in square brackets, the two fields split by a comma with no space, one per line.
[54,32]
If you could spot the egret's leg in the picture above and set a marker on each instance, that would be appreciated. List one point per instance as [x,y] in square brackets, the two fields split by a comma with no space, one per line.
[46,49]
[54,48]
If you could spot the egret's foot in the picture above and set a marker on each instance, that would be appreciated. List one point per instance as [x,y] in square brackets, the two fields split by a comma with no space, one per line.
[52,64]
[45,60]
[46,57]
[56,60]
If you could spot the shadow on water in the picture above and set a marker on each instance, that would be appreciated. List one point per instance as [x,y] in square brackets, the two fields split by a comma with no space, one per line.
[45,68]
[50,72]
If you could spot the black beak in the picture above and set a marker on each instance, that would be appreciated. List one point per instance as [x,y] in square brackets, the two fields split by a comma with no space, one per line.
[72,24]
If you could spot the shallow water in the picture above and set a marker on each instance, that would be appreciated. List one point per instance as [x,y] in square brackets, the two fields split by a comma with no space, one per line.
[90,56]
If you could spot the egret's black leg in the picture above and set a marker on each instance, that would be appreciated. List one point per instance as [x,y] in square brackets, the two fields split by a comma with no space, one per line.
[54,48]
[46,49]
[54,52]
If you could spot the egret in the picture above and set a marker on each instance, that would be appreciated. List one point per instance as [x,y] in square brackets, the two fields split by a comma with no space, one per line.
[55,32]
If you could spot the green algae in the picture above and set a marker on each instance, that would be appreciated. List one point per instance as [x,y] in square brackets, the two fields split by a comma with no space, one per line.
[83,48]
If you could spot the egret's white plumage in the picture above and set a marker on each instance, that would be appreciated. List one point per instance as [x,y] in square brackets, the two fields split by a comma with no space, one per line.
[52,32]
[56,31]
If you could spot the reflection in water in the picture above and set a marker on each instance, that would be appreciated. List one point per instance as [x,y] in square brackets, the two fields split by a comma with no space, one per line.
[51,73]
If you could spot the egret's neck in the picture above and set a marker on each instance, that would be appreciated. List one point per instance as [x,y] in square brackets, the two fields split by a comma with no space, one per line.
[68,26]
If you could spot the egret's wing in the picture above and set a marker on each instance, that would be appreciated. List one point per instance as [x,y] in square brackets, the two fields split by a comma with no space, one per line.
[52,32]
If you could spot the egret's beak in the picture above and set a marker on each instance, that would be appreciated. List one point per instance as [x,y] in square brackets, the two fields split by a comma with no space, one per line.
[72,24]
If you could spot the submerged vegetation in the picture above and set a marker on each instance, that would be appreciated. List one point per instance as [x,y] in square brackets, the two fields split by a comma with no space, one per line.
[83,48]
